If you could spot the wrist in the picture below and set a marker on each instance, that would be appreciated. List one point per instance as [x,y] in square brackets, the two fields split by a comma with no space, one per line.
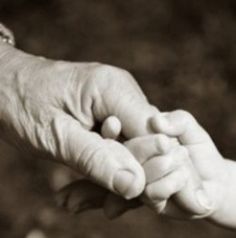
[12,63]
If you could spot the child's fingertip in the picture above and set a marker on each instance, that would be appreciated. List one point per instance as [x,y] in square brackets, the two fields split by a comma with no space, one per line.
[111,127]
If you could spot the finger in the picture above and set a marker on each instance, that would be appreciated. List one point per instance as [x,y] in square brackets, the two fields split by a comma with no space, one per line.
[146,147]
[111,127]
[120,96]
[170,209]
[165,187]
[182,124]
[167,176]
[135,118]
[106,162]
[81,196]
[160,166]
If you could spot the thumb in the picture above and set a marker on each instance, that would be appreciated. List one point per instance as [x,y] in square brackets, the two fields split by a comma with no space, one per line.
[105,161]
[194,196]
[181,124]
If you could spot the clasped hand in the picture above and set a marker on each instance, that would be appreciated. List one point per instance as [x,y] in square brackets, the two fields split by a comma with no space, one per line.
[168,161]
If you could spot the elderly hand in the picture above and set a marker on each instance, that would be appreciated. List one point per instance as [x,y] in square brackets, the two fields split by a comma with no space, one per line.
[53,106]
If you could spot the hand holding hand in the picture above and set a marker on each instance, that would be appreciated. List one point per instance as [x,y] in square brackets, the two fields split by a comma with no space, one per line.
[216,173]
[183,181]
[53,106]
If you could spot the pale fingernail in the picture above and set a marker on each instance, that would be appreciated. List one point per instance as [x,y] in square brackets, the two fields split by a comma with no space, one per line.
[204,200]
[123,182]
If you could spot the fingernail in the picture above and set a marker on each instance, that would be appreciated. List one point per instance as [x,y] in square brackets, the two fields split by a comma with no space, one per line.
[111,127]
[204,200]
[123,182]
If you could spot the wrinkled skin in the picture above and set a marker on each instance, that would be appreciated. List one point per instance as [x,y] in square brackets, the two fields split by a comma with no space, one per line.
[52,107]
[186,178]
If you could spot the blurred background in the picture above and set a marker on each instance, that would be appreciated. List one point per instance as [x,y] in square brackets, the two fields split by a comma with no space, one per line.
[183,55]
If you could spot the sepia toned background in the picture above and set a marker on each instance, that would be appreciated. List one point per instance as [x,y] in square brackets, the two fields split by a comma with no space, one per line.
[183,55]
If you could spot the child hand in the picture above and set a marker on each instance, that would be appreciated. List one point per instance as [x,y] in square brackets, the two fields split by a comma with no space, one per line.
[171,180]
[172,174]
[167,167]
[207,160]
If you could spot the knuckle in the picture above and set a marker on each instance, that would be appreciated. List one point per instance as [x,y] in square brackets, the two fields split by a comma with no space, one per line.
[160,138]
[95,64]
[111,71]
[110,75]
[160,191]
[104,68]
[174,142]
[121,75]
